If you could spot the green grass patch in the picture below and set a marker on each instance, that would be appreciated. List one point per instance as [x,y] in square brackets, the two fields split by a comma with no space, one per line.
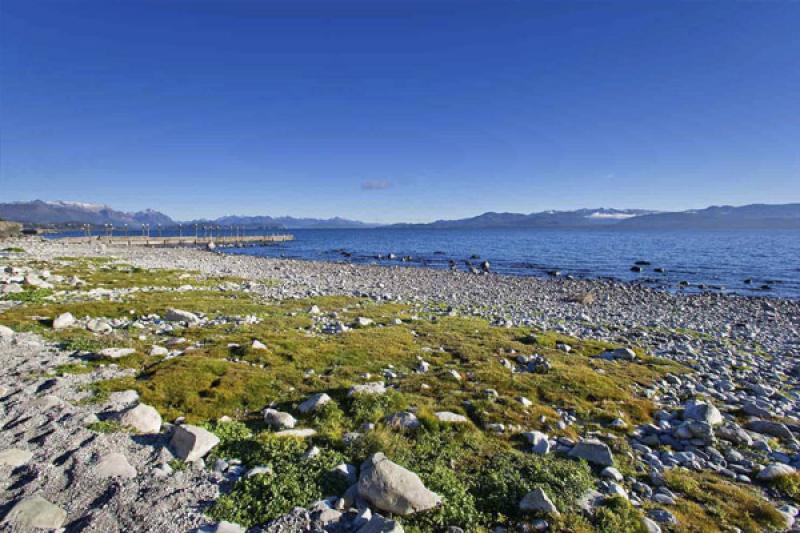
[789,486]
[709,504]
[107,426]
[30,295]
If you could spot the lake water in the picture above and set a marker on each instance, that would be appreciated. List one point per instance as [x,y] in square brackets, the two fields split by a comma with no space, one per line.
[707,260]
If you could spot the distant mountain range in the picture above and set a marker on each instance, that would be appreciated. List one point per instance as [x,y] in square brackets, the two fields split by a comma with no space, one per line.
[754,216]
[61,213]
[545,219]
[285,222]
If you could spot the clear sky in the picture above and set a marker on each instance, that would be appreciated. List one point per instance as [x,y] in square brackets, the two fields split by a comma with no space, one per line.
[399,110]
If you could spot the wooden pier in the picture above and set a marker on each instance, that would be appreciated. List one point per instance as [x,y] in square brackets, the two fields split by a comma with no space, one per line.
[230,241]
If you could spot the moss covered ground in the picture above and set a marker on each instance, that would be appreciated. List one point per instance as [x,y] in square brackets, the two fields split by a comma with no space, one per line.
[481,474]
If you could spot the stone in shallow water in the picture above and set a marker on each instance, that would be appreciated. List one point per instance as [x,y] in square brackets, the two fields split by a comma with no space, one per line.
[34,512]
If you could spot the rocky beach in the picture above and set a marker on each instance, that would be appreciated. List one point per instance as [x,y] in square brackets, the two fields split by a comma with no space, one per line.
[176,389]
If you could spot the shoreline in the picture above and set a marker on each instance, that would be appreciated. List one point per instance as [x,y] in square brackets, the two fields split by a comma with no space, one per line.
[498,295]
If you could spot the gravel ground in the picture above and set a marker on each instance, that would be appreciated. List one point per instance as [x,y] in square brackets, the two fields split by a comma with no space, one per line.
[743,350]
[46,416]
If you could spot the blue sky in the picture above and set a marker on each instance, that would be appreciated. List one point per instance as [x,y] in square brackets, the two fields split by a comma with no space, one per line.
[409,110]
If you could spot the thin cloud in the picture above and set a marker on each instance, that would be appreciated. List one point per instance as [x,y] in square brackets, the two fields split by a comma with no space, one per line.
[375,185]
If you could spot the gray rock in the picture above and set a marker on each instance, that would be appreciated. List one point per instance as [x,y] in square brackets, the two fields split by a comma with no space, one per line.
[376,387]
[15,457]
[114,465]
[379,524]
[590,501]
[63,321]
[537,501]
[702,412]
[158,350]
[99,326]
[594,451]
[347,472]
[34,512]
[279,419]
[116,353]
[620,354]
[143,418]
[775,471]
[314,402]
[662,516]
[228,527]
[258,345]
[125,397]
[449,417]
[390,487]
[179,315]
[6,332]
[539,442]
[611,473]
[773,429]
[650,526]
[403,421]
[299,433]
[733,433]
[190,443]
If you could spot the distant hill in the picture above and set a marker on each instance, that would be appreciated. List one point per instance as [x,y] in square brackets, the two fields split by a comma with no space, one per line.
[753,216]
[62,213]
[545,219]
[286,222]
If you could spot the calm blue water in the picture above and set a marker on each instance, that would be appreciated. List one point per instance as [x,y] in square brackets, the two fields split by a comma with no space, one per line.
[711,258]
